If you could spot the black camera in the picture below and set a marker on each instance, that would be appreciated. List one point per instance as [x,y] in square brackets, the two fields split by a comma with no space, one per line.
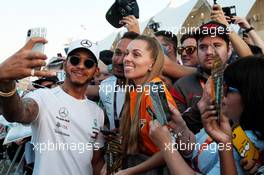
[230,11]
[120,9]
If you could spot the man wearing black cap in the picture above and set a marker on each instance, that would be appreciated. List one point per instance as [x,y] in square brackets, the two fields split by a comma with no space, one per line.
[65,124]
[211,37]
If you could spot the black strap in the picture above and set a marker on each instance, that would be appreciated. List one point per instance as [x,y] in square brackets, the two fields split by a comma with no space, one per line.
[116,117]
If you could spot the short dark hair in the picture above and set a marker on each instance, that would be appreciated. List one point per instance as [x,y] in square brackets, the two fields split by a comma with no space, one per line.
[130,35]
[186,36]
[169,37]
[212,29]
[247,76]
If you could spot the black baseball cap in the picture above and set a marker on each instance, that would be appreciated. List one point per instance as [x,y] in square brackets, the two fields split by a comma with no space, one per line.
[120,9]
[106,56]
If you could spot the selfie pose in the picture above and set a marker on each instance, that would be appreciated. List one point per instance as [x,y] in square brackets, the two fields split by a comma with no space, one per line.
[65,124]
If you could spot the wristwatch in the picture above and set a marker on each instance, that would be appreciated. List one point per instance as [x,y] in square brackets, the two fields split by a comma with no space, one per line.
[249,29]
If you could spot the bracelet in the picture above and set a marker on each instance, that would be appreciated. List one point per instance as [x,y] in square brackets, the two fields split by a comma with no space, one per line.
[179,134]
[8,94]
[249,29]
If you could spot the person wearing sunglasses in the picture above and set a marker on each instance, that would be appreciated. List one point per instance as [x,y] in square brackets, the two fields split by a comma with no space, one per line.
[62,116]
[188,50]
[213,38]
[188,90]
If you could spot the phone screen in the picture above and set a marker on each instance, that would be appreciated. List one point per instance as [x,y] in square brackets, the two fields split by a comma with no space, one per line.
[160,105]
[233,10]
[164,101]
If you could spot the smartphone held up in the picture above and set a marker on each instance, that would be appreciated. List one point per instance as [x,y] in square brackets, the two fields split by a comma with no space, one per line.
[37,32]
[229,11]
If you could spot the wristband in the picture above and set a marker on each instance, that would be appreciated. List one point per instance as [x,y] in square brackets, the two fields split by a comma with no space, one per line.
[8,94]
[249,29]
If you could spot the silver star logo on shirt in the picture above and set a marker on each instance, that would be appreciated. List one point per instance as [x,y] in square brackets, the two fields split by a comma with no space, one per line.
[63,112]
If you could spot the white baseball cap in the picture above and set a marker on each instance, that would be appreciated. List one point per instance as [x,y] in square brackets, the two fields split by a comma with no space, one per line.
[84,44]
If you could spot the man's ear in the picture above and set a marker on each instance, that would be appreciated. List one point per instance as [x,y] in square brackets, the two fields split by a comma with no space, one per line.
[170,48]
[97,71]
[229,49]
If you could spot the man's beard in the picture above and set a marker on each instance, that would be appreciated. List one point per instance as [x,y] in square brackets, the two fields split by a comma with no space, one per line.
[79,84]
[118,66]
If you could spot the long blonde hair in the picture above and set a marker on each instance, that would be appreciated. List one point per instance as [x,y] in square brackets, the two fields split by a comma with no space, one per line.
[130,128]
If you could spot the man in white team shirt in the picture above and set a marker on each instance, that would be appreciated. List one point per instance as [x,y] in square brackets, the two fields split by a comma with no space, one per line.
[65,124]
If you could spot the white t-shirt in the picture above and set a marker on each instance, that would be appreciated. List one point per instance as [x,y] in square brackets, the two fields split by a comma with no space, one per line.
[106,93]
[65,133]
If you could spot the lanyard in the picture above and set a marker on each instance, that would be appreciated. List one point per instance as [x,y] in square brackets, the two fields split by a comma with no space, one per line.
[202,83]
[116,117]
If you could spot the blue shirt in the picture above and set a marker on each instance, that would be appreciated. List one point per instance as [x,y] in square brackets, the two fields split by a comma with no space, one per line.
[208,160]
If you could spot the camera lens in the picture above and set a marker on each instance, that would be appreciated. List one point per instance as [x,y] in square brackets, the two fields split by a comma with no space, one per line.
[29,33]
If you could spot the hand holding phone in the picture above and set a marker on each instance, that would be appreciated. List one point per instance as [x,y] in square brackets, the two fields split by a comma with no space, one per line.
[160,105]
[230,12]
[37,32]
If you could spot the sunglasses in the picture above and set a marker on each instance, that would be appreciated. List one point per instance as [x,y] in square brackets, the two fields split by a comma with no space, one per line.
[229,89]
[75,60]
[189,50]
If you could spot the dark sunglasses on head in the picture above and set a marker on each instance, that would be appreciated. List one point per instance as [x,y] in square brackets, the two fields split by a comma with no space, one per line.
[41,86]
[189,50]
[229,89]
[75,60]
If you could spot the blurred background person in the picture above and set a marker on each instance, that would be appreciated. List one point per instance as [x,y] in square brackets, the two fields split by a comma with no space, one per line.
[169,42]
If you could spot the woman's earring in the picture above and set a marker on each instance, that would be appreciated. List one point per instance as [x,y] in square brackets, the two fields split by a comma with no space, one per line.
[150,68]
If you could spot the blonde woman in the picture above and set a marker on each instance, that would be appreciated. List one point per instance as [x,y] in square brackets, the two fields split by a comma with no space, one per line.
[143,64]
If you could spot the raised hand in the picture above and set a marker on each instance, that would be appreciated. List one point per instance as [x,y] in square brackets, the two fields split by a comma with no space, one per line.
[23,62]
[218,15]
[131,23]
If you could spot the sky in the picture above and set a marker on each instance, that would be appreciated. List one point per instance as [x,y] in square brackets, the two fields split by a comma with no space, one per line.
[65,20]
